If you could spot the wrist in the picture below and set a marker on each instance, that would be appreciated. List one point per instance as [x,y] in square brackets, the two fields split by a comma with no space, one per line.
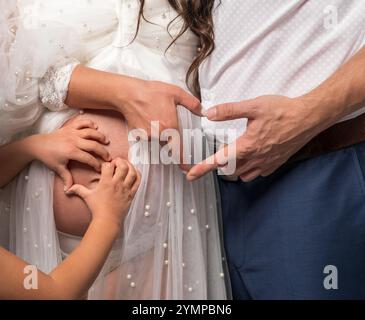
[112,226]
[30,146]
[328,103]
[316,115]
[126,90]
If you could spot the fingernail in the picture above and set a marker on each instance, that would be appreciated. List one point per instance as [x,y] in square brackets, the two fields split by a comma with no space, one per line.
[212,113]
[204,113]
[67,190]
[191,177]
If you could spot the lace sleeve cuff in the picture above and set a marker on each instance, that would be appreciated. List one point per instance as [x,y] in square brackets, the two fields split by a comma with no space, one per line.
[53,87]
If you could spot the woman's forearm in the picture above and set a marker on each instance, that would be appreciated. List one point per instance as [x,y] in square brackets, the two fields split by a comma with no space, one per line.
[139,101]
[93,89]
[72,278]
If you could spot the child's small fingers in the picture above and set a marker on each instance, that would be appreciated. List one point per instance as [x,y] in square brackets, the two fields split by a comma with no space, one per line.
[92,134]
[136,184]
[94,147]
[131,177]
[86,158]
[78,190]
[66,177]
[107,171]
[121,169]
[84,123]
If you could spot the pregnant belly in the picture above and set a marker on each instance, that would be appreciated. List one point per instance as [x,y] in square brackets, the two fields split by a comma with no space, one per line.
[72,216]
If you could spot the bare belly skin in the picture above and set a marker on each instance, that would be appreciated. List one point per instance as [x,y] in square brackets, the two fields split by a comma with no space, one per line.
[72,216]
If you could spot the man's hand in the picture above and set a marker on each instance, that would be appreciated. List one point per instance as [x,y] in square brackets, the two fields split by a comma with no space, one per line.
[277,128]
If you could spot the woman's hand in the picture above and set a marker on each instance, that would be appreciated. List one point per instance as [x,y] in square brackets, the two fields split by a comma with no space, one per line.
[79,142]
[139,101]
[142,102]
[111,199]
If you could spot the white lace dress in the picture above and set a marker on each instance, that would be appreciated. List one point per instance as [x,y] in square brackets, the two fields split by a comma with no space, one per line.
[171,246]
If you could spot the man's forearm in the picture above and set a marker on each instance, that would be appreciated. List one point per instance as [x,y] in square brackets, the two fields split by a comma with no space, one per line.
[341,94]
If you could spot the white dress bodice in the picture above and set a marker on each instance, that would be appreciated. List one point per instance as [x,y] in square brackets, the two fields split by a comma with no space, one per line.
[147,54]
[41,34]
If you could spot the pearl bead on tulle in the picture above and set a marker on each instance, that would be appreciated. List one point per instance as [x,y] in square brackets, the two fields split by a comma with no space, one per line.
[147,212]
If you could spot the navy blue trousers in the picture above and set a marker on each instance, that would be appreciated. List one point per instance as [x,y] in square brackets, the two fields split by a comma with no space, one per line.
[281,232]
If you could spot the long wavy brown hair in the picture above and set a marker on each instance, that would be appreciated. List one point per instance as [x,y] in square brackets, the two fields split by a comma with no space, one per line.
[198,17]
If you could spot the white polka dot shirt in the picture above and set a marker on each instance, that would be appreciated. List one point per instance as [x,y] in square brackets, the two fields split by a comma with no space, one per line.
[284,47]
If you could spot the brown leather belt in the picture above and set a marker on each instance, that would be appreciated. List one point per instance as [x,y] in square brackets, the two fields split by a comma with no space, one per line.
[339,136]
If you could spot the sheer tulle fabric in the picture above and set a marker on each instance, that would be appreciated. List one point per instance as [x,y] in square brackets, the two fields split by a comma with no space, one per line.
[170,246]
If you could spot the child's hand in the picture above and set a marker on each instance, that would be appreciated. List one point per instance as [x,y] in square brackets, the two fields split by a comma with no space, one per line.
[112,197]
[80,142]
